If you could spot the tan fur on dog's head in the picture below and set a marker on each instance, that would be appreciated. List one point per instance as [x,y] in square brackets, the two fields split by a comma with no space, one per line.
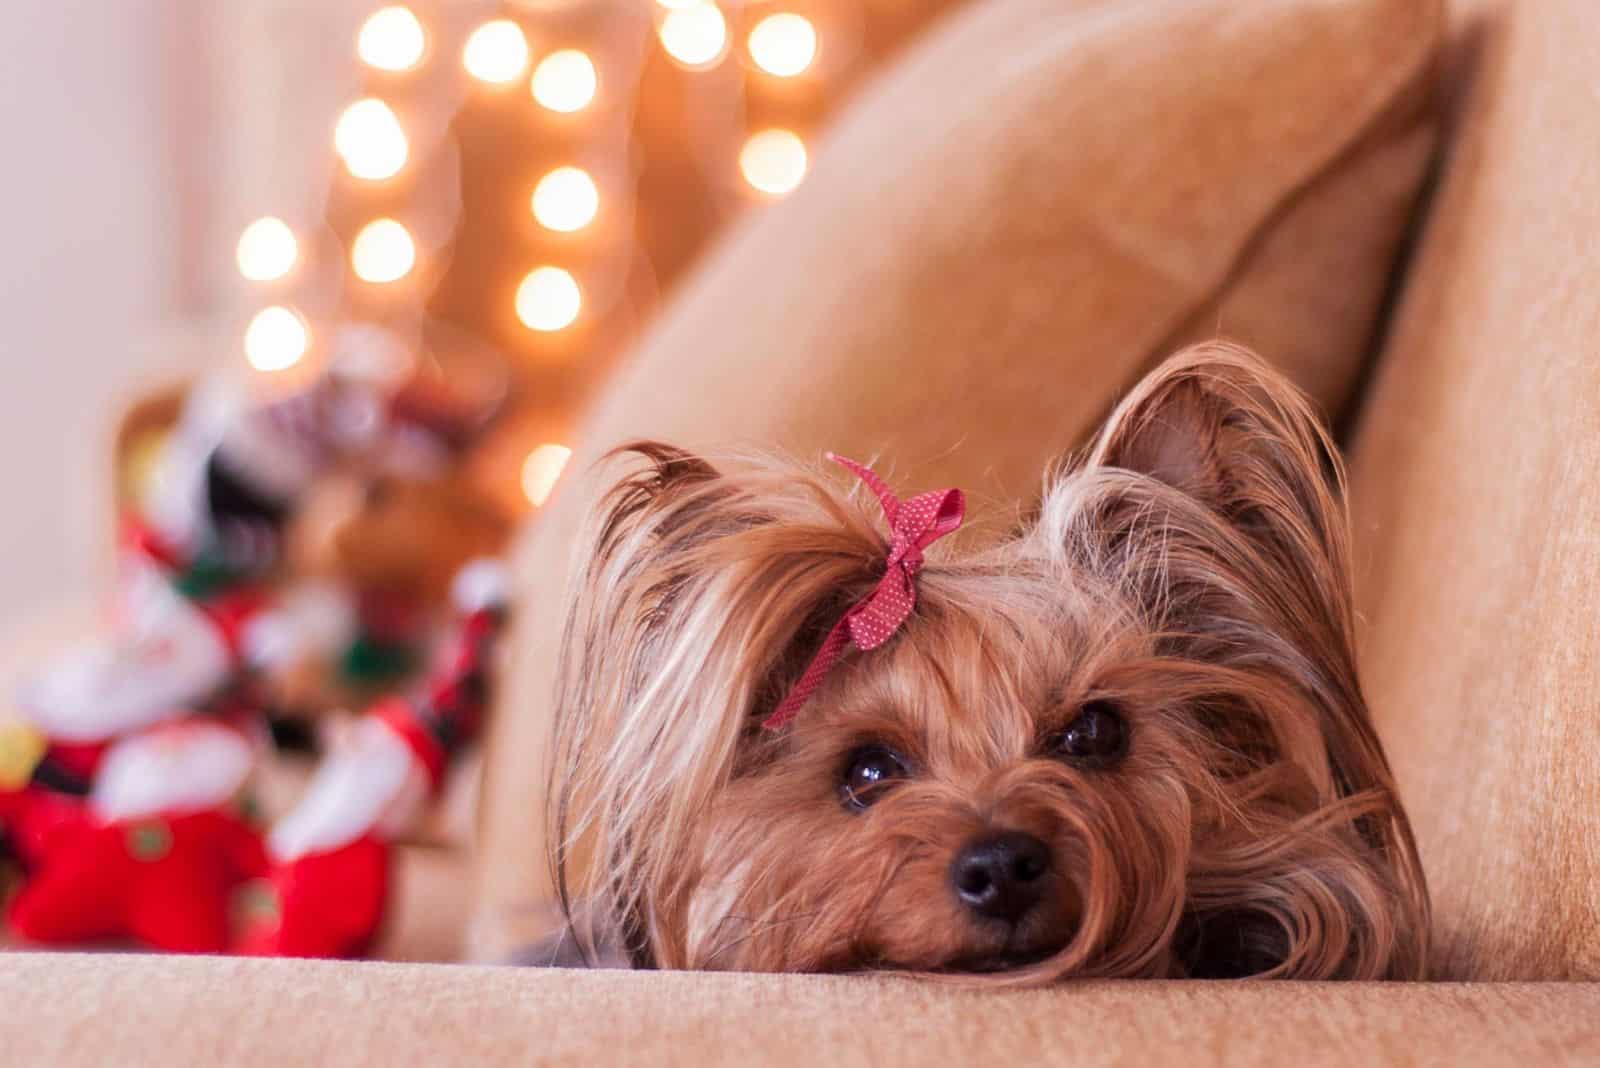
[1138,721]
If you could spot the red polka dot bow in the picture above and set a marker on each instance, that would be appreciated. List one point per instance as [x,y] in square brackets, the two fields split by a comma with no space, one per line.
[913,526]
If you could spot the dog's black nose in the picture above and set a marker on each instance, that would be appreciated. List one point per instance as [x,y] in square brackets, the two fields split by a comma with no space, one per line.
[999,875]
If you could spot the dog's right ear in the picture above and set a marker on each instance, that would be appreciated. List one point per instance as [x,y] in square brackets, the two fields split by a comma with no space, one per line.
[699,599]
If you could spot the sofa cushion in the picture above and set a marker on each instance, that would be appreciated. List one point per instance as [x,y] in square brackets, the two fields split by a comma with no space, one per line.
[1034,206]
[72,1010]
[1477,509]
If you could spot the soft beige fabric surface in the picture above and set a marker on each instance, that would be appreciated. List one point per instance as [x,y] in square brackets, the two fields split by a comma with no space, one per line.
[81,1010]
[1477,506]
[1038,203]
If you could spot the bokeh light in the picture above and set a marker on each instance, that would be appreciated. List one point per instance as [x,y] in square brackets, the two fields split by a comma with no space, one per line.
[497,52]
[276,339]
[542,469]
[565,81]
[267,250]
[370,141]
[392,39]
[566,199]
[773,161]
[695,35]
[383,252]
[783,44]
[548,299]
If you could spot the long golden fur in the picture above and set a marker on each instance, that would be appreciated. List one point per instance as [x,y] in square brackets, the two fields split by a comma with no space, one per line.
[1190,573]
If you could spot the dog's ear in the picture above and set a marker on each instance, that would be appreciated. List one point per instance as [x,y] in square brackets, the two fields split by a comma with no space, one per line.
[697,601]
[1230,433]
[1214,499]
[1215,495]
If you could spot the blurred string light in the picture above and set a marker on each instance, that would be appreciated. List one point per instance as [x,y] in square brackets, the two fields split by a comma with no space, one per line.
[542,469]
[369,139]
[373,145]
[548,299]
[777,43]
[496,53]
[392,39]
[383,252]
[565,81]
[276,339]
[784,44]
[566,199]
[773,161]
[267,250]
[696,35]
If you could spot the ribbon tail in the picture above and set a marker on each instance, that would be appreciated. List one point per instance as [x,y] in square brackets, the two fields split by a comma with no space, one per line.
[880,489]
[833,647]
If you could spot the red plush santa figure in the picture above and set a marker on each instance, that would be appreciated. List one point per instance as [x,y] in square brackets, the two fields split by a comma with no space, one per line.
[165,656]
[154,853]
[328,887]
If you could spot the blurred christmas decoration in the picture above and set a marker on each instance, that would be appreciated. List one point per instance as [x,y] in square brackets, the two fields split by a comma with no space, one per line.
[298,545]
[130,819]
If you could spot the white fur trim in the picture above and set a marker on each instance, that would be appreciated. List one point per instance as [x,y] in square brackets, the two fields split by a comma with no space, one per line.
[179,767]
[168,656]
[372,781]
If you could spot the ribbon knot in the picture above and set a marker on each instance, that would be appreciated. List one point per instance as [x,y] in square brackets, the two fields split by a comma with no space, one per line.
[914,525]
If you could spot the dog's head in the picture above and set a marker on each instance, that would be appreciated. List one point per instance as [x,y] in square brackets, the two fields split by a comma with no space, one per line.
[1127,741]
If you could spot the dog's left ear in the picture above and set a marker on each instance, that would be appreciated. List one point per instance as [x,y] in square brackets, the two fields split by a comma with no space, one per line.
[1215,498]
[1236,522]
[1229,432]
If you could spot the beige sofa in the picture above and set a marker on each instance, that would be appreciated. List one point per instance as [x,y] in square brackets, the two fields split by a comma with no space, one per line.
[1476,462]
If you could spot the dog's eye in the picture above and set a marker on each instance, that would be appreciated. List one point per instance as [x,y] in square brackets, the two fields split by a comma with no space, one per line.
[866,771]
[1097,738]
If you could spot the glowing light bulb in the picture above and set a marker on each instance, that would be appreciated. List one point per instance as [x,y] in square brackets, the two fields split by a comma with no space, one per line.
[276,339]
[370,141]
[383,252]
[565,81]
[542,469]
[496,52]
[548,299]
[783,45]
[695,35]
[392,39]
[267,250]
[773,161]
[566,199]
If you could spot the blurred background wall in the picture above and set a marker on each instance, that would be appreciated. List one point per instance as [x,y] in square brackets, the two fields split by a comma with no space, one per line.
[137,134]
[88,271]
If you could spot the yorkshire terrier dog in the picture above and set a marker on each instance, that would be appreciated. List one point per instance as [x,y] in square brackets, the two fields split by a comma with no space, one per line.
[1128,740]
